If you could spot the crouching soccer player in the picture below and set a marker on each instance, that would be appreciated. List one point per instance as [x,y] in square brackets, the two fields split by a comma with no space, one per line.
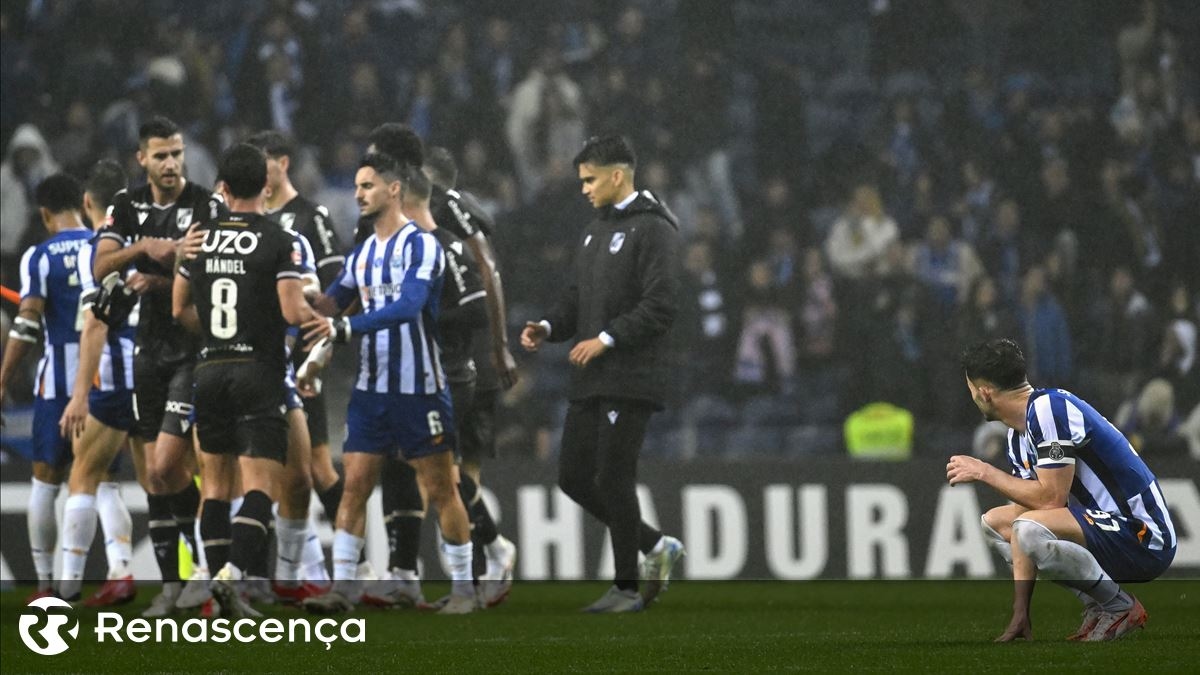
[247,287]
[1086,510]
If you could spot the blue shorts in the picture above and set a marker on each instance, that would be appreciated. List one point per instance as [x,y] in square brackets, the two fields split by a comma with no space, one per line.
[48,445]
[291,397]
[114,409]
[1114,540]
[418,425]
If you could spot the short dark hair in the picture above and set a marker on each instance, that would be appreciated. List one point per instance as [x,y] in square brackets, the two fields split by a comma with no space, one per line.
[274,143]
[399,141]
[60,192]
[998,361]
[244,170]
[106,179]
[156,127]
[607,150]
[416,184]
[384,164]
[440,164]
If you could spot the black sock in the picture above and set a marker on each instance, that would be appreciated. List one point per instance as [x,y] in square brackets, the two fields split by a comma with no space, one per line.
[184,505]
[260,566]
[483,529]
[216,533]
[250,530]
[164,534]
[331,498]
[403,513]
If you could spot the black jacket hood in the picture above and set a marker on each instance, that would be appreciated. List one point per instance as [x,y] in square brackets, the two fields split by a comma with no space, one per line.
[645,202]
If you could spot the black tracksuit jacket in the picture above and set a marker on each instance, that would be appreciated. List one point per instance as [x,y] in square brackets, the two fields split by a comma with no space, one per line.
[624,281]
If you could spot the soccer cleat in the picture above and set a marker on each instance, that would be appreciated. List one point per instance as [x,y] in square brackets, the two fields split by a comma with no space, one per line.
[294,593]
[392,592]
[616,601]
[366,572]
[458,604]
[257,590]
[656,568]
[1114,626]
[113,592]
[1091,614]
[196,592]
[332,602]
[497,583]
[163,604]
[226,594]
[41,593]
[211,609]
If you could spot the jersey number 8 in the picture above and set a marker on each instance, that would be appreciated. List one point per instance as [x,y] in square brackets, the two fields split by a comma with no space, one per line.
[223,318]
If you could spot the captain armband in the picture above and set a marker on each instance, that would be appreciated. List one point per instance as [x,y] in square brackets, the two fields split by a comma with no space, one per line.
[26,330]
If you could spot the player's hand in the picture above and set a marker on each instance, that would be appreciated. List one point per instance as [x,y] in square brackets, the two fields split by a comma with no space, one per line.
[506,368]
[965,469]
[309,385]
[584,352]
[189,247]
[533,335]
[138,283]
[74,417]
[336,329]
[162,250]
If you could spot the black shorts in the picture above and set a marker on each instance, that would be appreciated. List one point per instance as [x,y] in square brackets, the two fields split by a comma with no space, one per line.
[240,409]
[462,398]
[477,430]
[162,394]
[318,422]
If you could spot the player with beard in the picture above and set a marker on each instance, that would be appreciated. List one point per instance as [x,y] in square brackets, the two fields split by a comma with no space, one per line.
[147,229]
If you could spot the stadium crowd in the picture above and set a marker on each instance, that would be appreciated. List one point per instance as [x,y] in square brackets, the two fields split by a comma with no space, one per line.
[856,205]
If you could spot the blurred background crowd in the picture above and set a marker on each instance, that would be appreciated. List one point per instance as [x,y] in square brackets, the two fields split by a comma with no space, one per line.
[864,186]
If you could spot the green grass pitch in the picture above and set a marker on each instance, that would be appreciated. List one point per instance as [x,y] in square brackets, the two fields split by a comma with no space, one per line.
[822,626]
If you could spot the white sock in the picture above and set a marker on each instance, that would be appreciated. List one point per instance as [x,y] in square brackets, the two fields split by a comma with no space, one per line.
[1070,564]
[998,543]
[117,527]
[458,556]
[79,528]
[346,549]
[313,559]
[291,535]
[43,530]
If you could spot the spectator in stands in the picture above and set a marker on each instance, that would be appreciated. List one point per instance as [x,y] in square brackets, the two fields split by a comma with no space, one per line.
[1178,348]
[704,323]
[766,351]
[1005,252]
[547,108]
[859,239]
[1151,422]
[818,310]
[1046,336]
[974,205]
[947,266]
[26,163]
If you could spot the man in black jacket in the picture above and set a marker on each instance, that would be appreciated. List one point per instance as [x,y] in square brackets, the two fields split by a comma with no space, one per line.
[619,305]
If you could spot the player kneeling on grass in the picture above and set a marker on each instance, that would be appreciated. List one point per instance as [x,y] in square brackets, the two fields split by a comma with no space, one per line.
[1086,512]
[247,286]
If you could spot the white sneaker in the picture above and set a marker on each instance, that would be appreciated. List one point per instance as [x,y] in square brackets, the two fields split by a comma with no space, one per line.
[458,604]
[257,590]
[394,592]
[163,604]
[196,592]
[656,568]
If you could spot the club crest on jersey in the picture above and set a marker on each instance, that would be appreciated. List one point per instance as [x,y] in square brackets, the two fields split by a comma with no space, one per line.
[587,240]
[617,241]
[287,221]
[1056,452]
[183,218]
[142,216]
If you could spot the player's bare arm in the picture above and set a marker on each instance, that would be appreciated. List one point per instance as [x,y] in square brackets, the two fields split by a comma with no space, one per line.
[111,256]
[26,331]
[91,346]
[182,307]
[1049,491]
[502,359]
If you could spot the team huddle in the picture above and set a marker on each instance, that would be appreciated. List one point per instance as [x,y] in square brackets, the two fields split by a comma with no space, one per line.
[195,326]
[192,326]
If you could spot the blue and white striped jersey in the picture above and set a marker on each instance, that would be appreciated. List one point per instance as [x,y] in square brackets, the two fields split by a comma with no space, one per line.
[50,270]
[1062,429]
[399,352]
[116,361]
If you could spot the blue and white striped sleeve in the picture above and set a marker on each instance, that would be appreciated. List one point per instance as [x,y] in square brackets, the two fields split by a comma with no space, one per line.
[35,267]
[1055,425]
